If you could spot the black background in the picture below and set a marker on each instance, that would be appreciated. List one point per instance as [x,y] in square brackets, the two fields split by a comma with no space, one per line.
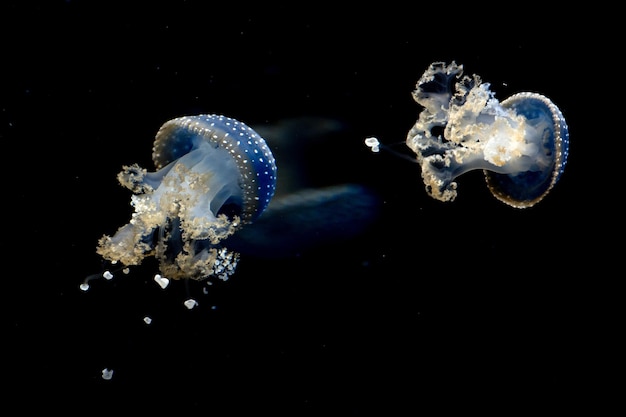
[469,305]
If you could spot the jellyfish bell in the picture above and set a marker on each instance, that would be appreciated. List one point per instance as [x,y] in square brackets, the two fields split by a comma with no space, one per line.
[213,176]
[550,139]
[521,144]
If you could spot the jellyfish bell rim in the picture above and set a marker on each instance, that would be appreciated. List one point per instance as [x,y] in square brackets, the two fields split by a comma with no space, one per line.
[178,136]
[511,188]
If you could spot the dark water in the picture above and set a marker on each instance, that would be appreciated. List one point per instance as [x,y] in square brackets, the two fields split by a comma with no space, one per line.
[406,304]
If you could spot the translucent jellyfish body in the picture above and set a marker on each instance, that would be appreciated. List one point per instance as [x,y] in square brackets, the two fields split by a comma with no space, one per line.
[521,144]
[213,175]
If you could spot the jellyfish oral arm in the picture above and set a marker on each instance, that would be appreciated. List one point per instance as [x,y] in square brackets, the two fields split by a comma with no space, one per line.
[520,144]
[506,145]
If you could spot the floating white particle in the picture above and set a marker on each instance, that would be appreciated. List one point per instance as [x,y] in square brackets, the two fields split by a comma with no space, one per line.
[107,275]
[107,373]
[126,270]
[190,303]
[162,281]
[373,143]
[84,286]
[147,320]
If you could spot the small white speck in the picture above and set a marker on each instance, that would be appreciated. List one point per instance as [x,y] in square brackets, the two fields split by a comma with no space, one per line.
[147,320]
[107,275]
[107,373]
[373,143]
[84,286]
[162,281]
[190,303]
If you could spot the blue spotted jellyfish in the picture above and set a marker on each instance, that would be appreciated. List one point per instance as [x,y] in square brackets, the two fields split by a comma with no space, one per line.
[521,143]
[213,176]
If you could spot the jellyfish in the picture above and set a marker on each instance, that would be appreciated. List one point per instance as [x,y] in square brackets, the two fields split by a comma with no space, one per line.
[213,176]
[521,143]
